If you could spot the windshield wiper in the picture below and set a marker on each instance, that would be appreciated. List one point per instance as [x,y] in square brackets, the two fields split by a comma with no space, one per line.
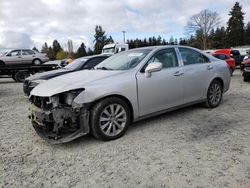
[103,68]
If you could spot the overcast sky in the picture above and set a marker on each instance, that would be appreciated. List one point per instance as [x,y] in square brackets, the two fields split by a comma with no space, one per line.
[28,23]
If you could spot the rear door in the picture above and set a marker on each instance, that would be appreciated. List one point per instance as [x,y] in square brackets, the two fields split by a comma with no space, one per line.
[27,56]
[198,71]
[163,89]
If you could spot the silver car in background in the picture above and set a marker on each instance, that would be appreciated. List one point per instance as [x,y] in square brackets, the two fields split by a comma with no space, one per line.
[125,88]
[22,57]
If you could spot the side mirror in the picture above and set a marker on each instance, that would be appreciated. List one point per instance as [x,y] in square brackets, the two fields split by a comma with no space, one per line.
[8,55]
[152,67]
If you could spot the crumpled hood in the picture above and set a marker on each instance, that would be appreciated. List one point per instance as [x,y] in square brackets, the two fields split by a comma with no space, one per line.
[48,75]
[71,81]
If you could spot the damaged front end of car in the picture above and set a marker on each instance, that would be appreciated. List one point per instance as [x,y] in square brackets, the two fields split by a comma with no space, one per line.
[58,119]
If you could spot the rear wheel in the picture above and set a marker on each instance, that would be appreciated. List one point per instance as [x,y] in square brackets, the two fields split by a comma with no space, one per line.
[110,118]
[21,75]
[37,62]
[214,94]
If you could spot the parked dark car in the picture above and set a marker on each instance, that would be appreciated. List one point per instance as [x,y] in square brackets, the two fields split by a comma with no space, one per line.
[87,62]
[245,67]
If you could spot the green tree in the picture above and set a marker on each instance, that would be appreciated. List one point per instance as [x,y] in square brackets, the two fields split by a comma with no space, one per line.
[109,40]
[218,38]
[247,34]
[100,39]
[61,55]
[56,47]
[81,51]
[45,48]
[235,26]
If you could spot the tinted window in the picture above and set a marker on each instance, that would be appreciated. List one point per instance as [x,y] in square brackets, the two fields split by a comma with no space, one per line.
[27,52]
[167,57]
[190,57]
[76,64]
[93,62]
[235,52]
[220,56]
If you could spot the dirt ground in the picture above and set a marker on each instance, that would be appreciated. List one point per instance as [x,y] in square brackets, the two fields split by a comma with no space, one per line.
[191,147]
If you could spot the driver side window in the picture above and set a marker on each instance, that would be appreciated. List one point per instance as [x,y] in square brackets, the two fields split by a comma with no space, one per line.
[14,53]
[167,57]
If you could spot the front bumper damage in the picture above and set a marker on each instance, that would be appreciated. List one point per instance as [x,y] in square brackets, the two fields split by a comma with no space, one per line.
[60,124]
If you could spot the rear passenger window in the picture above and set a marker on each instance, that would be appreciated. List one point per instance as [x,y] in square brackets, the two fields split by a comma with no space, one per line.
[190,57]
[167,57]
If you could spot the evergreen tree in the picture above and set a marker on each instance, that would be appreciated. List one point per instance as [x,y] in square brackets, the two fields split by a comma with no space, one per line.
[100,39]
[45,48]
[35,49]
[247,34]
[171,40]
[109,40]
[50,53]
[81,51]
[235,26]
[90,52]
[56,47]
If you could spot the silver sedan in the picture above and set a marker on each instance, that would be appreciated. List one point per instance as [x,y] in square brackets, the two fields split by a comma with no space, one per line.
[125,88]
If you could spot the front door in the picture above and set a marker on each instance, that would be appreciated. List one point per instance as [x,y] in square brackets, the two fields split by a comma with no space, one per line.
[163,89]
[13,57]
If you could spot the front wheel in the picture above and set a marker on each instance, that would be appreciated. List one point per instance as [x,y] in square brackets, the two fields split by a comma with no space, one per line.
[214,94]
[110,118]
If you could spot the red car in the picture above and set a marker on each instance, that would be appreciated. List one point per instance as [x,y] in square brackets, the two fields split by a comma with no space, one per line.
[230,61]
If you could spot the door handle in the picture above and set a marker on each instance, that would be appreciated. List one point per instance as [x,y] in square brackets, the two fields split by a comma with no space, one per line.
[209,67]
[178,73]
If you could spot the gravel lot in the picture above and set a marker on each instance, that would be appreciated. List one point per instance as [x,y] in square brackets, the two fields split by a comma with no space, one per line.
[191,147]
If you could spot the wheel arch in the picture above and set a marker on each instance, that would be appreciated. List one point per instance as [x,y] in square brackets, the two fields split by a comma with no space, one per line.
[125,99]
[220,80]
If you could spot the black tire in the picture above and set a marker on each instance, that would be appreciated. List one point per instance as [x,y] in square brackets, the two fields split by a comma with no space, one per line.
[37,62]
[2,64]
[97,112]
[245,79]
[21,76]
[231,71]
[214,96]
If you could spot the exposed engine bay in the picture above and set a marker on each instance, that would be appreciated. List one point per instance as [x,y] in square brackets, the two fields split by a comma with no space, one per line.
[55,118]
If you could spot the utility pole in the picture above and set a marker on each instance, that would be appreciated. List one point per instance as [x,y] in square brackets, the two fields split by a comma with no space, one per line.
[124,36]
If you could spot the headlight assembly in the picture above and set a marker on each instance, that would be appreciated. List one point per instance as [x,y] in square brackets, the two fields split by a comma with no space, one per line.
[36,82]
[68,97]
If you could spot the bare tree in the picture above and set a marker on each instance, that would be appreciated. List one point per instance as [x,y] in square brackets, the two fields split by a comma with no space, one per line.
[203,22]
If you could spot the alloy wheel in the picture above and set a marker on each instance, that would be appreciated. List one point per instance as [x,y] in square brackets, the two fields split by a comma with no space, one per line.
[215,94]
[113,119]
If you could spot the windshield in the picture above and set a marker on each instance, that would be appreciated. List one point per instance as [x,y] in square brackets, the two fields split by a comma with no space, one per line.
[108,50]
[124,60]
[76,64]
[3,51]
